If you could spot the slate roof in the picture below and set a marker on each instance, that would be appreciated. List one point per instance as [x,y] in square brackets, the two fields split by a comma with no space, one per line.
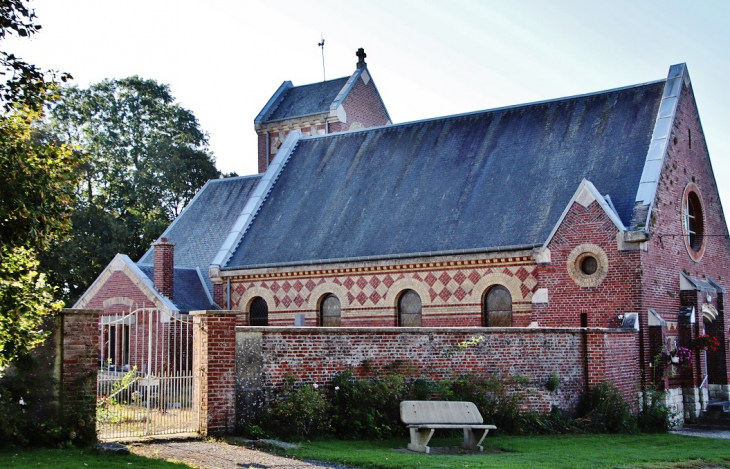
[200,229]
[305,100]
[485,180]
[188,289]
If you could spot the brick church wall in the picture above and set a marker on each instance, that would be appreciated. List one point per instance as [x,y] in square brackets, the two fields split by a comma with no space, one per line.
[617,294]
[364,108]
[451,290]
[686,162]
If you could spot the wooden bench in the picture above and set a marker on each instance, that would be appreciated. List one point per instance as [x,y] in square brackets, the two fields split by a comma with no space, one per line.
[423,418]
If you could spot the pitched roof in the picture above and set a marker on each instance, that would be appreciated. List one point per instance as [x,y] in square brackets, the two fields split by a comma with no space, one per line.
[188,289]
[297,101]
[485,180]
[200,229]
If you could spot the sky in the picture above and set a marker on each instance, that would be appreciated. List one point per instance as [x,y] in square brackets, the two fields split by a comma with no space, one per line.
[224,59]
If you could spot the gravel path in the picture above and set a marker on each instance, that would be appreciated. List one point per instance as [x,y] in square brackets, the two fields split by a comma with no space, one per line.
[724,434]
[209,454]
[219,455]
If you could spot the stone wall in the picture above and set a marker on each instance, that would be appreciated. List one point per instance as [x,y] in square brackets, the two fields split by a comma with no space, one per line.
[60,379]
[267,355]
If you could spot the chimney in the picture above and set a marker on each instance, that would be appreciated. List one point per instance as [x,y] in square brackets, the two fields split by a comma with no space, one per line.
[163,265]
[361,57]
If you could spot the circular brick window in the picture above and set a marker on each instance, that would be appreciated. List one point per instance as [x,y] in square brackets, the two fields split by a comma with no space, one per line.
[587,265]
[693,222]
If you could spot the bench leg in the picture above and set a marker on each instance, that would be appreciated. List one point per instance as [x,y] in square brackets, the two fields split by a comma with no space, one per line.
[473,439]
[420,439]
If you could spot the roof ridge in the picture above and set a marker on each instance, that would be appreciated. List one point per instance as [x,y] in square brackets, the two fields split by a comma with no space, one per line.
[483,111]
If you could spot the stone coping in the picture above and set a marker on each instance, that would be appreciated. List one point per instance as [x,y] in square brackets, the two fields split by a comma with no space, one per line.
[81,311]
[430,330]
[213,312]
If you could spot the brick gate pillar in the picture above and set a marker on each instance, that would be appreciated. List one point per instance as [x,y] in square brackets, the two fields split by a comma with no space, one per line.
[79,360]
[214,370]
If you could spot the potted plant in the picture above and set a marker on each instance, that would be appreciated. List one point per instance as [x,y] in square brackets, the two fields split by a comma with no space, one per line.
[707,342]
[681,356]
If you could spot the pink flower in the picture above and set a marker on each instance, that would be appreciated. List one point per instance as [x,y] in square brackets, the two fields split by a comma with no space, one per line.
[315,385]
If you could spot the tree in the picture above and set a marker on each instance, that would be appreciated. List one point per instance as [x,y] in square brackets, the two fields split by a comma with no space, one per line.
[145,158]
[36,191]
[25,84]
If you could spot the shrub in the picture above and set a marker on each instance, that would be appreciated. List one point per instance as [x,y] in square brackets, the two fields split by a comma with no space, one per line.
[604,410]
[27,417]
[553,382]
[370,408]
[301,409]
[497,397]
[654,415]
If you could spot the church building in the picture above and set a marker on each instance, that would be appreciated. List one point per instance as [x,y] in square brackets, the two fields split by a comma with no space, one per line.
[591,211]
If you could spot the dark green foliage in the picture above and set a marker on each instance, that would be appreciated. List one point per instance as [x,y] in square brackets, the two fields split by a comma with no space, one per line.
[553,382]
[36,195]
[29,409]
[369,408]
[23,84]
[497,397]
[145,158]
[604,410]
[654,416]
[299,409]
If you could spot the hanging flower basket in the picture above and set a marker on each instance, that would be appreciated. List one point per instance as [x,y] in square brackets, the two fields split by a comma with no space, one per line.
[680,356]
[707,342]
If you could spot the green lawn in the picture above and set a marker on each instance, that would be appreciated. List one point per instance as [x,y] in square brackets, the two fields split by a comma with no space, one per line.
[76,458]
[555,451]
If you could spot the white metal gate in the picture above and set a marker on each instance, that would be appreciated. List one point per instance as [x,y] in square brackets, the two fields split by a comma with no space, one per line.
[145,380]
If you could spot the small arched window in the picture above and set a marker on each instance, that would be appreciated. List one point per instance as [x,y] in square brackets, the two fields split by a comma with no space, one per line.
[693,221]
[259,312]
[409,309]
[498,307]
[330,311]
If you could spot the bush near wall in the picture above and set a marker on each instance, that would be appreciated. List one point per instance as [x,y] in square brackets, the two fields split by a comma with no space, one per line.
[30,414]
[35,408]
[370,407]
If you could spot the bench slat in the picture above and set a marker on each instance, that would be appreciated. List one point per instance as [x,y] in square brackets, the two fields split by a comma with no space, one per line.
[449,412]
[452,425]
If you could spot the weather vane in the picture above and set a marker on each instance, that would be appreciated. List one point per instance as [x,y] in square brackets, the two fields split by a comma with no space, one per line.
[321,45]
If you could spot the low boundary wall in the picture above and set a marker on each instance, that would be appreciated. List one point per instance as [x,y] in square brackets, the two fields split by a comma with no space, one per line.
[235,366]
[581,357]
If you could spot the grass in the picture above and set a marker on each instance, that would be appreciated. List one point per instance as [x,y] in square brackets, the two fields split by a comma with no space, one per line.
[555,451]
[76,458]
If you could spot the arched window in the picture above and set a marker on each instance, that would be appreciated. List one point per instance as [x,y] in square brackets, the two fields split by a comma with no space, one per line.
[498,307]
[409,309]
[259,312]
[693,221]
[330,311]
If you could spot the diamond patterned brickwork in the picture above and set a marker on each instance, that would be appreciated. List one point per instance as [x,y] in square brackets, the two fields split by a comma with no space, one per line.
[363,290]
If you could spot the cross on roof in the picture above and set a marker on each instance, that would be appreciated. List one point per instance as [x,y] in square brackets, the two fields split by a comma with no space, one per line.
[361,56]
